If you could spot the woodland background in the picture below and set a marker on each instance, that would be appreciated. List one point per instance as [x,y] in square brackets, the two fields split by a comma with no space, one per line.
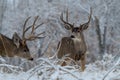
[102,36]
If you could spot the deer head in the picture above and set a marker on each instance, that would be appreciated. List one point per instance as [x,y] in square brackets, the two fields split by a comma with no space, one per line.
[74,46]
[17,46]
[76,31]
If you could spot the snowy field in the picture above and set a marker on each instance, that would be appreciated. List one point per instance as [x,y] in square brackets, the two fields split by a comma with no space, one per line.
[13,14]
[50,70]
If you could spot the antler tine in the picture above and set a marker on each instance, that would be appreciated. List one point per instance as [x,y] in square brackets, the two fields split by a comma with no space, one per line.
[67,15]
[32,35]
[90,14]
[40,34]
[33,26]
[39,25]
[85,25]
[23,35]
[61,17]
[66,22]
[35,36]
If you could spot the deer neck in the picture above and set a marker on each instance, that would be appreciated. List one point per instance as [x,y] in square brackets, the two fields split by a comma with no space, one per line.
[8,46]
[79,43]
[78,37]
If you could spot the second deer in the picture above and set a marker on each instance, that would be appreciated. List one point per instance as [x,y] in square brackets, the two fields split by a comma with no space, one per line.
[74,46]
[17,46]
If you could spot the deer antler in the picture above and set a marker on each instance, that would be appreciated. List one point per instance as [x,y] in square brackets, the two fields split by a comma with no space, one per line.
[85,25]
[23,35]
[32,36]
[66,23]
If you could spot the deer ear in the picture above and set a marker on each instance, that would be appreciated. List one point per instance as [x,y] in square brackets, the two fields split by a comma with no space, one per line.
[16,39]
[84,26]
[68,27]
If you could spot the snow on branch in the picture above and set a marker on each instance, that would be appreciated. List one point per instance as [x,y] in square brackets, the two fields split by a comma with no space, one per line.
[10,68]
[114,67]
[49,69]
[2,60]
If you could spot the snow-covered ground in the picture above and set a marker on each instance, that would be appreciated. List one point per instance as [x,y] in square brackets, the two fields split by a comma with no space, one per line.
[50,70]
[16,11]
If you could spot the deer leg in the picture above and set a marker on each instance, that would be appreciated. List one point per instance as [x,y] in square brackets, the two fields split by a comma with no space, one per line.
[65,62]
[83,61]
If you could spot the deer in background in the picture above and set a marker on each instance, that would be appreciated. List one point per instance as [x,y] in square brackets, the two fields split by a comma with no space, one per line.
[74,46]
[17,46]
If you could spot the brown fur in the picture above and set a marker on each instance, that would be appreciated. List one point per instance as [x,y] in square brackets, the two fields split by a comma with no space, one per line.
[73,49]
[17,46]
[74,46]
[9,48]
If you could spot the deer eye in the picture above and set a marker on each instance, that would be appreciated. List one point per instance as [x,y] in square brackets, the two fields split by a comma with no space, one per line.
[25,50]
[16,39]
[78,31]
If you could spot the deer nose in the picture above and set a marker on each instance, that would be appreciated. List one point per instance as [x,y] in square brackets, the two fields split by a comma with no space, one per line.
[31,59]
[72,36]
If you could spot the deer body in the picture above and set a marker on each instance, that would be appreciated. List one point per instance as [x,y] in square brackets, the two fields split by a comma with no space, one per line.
[64,47]
[9,48]
[74,46]
[4,42]
[17,46]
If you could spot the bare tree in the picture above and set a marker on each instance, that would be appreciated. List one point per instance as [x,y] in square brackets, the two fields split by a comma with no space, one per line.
[101,38]
[2,10]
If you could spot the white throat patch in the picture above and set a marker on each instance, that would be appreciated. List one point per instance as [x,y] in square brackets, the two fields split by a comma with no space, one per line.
[76,39]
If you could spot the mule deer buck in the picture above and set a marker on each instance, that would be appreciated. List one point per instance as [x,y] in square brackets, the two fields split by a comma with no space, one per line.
[74,46]
[17,46]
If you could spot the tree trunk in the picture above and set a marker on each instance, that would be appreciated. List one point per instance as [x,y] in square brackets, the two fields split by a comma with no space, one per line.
[101,38]
[2,10]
